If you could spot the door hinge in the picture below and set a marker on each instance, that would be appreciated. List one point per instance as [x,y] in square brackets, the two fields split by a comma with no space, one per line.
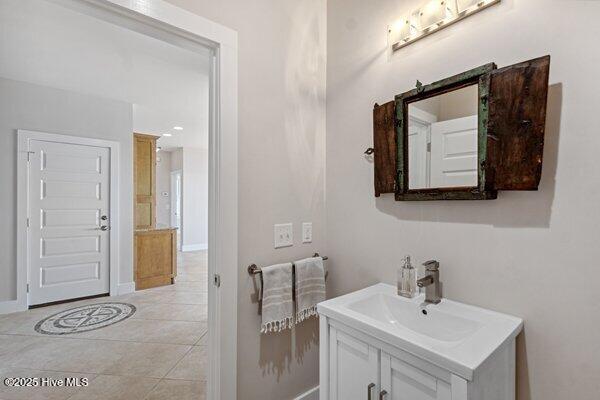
[217,280]
[29,153]
[28,222]
[28,288]
[429,147]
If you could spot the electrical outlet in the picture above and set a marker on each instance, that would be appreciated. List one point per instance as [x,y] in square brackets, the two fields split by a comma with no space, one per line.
[307,232]
[283,235]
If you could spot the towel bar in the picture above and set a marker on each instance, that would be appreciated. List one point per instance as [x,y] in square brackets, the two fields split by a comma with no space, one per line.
[255,269]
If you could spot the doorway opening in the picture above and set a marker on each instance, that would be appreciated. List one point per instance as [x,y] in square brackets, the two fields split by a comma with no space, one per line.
[81,77]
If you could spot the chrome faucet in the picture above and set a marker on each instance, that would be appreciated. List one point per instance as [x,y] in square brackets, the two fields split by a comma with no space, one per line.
[431,282]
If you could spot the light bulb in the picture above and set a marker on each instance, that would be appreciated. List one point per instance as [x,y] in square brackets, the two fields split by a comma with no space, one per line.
[467,5]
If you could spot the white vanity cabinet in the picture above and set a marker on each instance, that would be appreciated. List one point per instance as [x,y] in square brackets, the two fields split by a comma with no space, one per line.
[400,381]
[361,371]
[355,367]
[361,358]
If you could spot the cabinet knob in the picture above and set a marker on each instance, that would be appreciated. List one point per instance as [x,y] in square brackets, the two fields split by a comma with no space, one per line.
[370,391]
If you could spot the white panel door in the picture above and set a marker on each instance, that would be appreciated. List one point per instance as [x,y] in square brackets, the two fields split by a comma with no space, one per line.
[68,250]
[402,381]
[418,155]
[454,153]
[354,368]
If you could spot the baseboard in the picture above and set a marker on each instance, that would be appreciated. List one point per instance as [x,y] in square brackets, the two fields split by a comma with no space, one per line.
[126,288]
[11,306]
[312,394]
[194,247]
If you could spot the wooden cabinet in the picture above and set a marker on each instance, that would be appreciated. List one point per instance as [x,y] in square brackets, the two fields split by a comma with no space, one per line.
[144,175]
[155,251]
[156,257]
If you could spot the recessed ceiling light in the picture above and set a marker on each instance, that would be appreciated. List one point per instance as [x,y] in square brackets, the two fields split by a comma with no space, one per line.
[167,134]
[178,128]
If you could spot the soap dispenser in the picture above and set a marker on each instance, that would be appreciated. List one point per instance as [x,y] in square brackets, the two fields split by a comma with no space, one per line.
[407,279]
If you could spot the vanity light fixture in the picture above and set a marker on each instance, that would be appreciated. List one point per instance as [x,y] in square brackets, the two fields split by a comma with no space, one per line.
[167,134]
[435,13]
[431,17]
[178,128]
[401,30]
[470,5]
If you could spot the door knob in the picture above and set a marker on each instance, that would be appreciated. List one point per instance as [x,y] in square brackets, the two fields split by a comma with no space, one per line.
[104,228]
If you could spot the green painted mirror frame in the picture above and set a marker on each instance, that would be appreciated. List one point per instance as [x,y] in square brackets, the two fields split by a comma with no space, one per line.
[512,104]
[480,76]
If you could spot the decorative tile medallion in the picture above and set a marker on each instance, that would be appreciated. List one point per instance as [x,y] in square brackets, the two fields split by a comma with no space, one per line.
[85,318]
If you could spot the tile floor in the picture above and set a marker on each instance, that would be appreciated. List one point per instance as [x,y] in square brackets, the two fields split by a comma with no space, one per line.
[159,353]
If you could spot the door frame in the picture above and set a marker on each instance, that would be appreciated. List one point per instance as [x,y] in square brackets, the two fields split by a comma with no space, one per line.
[23,139]
[180,210]
[165,21]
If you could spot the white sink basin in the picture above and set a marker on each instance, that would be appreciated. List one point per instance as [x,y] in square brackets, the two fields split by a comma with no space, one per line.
[452,335]
[436,322]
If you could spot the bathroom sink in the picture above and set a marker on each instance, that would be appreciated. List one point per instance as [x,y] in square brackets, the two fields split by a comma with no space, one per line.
[452,335]
[436,322]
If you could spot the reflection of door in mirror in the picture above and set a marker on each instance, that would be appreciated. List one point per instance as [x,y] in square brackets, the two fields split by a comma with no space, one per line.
[454,153]
[442,140]
[419,139]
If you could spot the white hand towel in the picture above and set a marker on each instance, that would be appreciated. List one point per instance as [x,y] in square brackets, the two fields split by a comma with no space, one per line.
[310,287]
[277,301]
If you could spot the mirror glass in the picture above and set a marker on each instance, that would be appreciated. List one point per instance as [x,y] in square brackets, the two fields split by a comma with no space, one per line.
[442,140]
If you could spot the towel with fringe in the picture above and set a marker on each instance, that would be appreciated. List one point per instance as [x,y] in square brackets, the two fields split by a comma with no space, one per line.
[277,301]
[310,287]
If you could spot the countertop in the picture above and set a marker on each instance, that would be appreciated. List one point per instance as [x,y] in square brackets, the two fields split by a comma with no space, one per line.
[159,227]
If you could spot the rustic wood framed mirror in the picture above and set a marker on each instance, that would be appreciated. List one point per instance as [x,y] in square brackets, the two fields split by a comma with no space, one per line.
[464,137]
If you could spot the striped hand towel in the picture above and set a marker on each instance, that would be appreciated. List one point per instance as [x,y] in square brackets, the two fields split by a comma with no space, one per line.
[310,287]
[277,303]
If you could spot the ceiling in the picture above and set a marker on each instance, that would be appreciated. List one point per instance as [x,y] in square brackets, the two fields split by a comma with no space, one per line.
[46,44]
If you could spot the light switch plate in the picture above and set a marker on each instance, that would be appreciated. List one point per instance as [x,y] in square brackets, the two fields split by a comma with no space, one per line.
[283,235]
[307,232]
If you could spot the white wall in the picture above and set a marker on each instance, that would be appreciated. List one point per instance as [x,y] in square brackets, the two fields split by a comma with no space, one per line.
[195,199]
[531,254]
[281,171]
[163,184]
[459,103]
[38,108]
[177,160]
